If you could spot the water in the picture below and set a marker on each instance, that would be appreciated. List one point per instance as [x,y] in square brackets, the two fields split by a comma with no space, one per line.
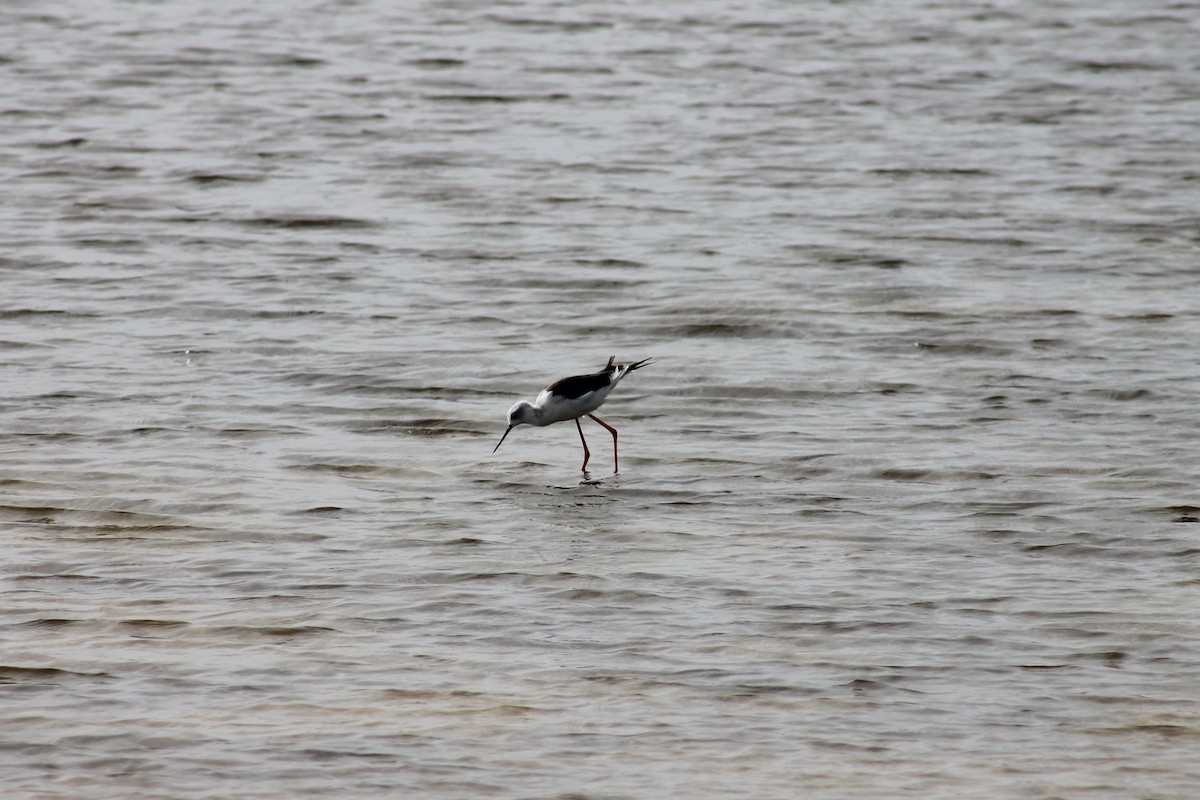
[907,506]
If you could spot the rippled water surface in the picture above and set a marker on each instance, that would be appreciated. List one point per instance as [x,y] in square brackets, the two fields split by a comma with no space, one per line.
[907,506]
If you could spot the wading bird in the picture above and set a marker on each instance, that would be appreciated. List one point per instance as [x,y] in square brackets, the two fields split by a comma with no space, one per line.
[572,398]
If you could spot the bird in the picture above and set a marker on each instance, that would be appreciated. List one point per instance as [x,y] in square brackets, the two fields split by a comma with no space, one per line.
[572,398]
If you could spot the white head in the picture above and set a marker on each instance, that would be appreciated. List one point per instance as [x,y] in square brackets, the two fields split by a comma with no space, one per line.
[522,413]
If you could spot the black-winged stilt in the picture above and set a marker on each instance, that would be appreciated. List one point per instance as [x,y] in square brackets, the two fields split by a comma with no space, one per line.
[572,398]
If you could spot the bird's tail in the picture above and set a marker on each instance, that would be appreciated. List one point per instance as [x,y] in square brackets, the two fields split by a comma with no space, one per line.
[624,369]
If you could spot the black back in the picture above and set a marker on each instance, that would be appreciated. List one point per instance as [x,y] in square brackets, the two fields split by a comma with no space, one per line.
[579,385]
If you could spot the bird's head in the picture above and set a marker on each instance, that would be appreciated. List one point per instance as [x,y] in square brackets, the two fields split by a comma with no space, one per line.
[522,413]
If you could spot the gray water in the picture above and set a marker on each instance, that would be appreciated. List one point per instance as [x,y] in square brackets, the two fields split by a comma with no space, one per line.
[907,506]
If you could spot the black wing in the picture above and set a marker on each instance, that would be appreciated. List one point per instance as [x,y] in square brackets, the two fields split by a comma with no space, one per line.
[579,385]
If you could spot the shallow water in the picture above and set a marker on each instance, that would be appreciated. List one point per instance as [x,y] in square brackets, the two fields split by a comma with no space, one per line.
[907,506]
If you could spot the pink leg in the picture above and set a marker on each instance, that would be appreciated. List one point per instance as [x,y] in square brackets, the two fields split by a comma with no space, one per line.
[586,454]
[611,430]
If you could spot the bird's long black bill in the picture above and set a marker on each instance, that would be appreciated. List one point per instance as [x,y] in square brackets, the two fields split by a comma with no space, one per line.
[502,438]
